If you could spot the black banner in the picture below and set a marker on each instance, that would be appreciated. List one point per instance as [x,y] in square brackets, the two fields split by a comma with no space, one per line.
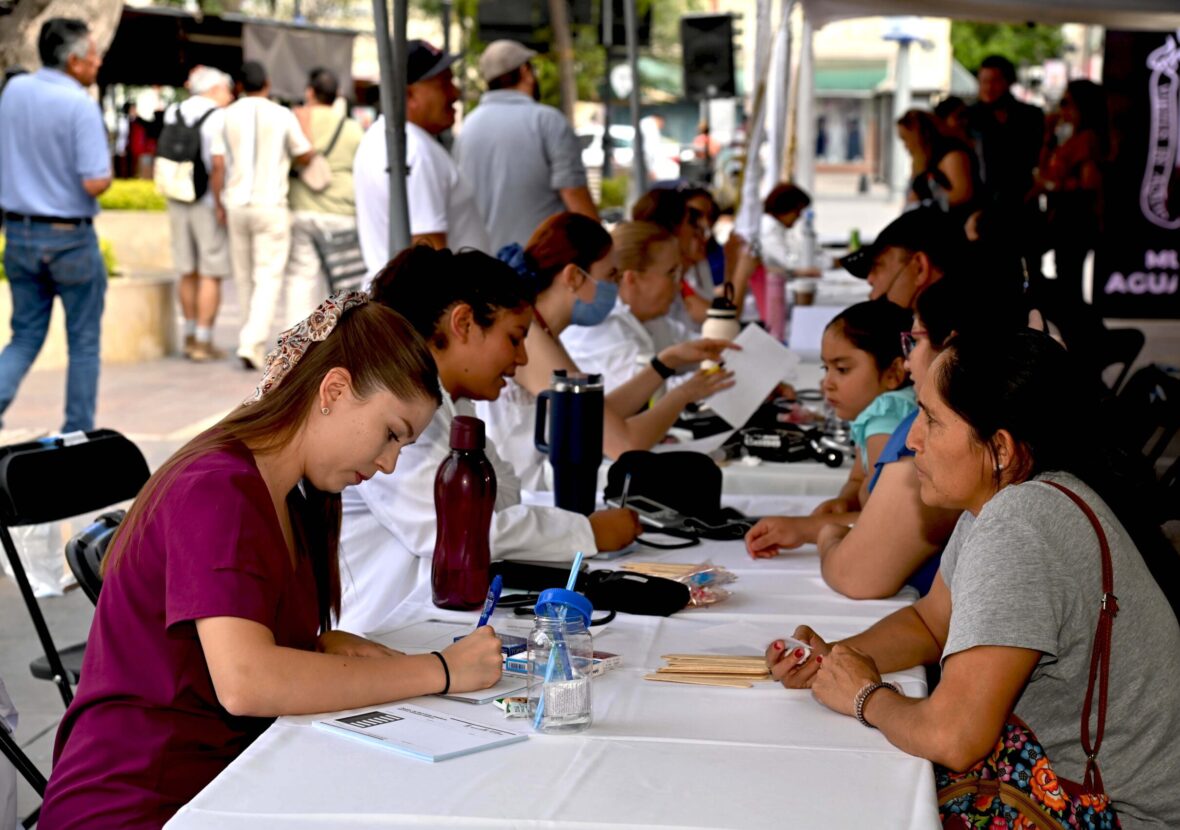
[1137,267]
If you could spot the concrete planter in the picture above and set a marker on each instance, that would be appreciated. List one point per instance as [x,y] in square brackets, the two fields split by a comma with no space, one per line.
[142,239]
[138,323]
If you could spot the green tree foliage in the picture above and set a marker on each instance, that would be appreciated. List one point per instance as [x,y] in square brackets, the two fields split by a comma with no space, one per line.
[1022,44]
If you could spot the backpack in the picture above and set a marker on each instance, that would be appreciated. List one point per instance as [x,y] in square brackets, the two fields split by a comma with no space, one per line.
[180,173]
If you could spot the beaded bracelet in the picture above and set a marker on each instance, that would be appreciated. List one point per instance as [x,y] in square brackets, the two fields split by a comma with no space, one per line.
[862,697]
[446,671]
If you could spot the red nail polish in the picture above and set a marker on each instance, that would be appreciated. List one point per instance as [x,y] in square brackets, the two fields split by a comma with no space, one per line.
[819,659]
[777,645]
[798,653]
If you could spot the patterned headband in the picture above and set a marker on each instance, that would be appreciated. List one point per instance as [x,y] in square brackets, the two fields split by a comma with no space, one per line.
[294,341]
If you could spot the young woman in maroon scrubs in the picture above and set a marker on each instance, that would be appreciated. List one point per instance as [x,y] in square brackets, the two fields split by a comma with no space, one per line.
[220,588]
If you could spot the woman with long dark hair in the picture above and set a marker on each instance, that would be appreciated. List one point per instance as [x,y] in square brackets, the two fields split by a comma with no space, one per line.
[221,584]
[1013,612]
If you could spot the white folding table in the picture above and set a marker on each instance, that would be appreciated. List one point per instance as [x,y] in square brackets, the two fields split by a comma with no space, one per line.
[656,755]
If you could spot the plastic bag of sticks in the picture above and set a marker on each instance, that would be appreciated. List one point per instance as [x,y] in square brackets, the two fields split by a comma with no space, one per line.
[704,580]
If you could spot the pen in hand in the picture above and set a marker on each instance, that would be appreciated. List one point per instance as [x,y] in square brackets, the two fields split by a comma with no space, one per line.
[489,604]
[626,489]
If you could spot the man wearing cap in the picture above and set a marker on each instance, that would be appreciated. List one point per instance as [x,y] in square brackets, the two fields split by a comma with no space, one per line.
[443,212]
[912,253]
[522,157]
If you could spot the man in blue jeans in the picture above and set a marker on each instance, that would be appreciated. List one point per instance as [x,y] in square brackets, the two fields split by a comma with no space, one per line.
[53,164]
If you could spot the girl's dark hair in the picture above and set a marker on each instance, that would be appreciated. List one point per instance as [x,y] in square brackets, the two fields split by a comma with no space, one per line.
[560,240]
[379,350]
[925,126]
[664,207]
[874,326]
[1024,382]
[422,283]
[966,304]
[785,198]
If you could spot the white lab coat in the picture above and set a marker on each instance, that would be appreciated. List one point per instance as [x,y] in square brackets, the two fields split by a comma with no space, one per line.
[511,425]
[387,538]
[621,346]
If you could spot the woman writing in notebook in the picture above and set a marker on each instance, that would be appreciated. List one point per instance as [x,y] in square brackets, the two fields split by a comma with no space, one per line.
[474,312]
[221,585]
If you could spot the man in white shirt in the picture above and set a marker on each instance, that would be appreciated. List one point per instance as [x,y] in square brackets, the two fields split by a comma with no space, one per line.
[260,142]
[200,248]
[443,211]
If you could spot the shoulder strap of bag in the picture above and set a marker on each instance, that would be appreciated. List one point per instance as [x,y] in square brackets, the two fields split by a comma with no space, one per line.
[335,137]
[1100,653]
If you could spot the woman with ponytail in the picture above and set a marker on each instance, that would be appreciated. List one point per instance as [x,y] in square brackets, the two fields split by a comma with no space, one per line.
[221,584]
[473,311]
[570,265]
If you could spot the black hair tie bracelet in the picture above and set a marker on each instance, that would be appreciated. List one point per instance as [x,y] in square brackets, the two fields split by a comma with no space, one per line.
[446,671]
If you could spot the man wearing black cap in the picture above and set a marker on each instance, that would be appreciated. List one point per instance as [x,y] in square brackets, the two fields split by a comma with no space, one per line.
[522,157]
[443,212]
[912,253]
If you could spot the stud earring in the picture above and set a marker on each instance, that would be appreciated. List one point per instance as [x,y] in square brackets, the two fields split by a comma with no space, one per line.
[999,467]
[325,410]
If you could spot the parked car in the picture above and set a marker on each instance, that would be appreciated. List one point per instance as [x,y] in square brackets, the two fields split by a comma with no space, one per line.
[622,144]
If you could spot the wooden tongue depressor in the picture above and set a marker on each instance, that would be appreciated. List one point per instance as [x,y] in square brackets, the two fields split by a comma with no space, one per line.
[700,680]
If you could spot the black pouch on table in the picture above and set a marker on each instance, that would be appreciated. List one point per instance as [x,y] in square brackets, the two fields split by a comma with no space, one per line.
[687,482]
[607,590]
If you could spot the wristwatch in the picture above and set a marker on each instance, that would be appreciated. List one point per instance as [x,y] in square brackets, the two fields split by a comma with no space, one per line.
[661,368]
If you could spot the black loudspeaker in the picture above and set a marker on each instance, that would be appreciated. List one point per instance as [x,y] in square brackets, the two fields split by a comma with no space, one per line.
[706,42]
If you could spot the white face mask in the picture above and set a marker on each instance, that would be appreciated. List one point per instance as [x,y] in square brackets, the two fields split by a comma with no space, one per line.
[1063,131]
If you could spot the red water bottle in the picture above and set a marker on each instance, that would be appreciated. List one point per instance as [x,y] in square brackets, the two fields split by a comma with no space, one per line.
[464,498]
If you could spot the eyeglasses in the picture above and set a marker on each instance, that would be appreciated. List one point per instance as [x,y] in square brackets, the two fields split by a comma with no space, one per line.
[909,341]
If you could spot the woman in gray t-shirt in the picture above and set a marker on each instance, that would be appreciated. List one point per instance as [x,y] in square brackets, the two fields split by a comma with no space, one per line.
[1014,608]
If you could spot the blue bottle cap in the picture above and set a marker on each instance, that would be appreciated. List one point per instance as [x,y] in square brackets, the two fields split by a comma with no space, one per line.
[551,601]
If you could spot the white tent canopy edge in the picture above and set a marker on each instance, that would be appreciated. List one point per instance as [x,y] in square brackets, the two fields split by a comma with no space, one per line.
[1151,15]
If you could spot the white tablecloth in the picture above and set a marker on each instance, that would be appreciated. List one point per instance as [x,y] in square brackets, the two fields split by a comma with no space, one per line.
[657,755]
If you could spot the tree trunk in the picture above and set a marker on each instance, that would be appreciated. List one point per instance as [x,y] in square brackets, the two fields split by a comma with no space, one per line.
[559,20]
[20,29]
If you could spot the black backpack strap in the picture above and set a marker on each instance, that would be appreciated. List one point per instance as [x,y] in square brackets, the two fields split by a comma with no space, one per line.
[197,124]
[335,137]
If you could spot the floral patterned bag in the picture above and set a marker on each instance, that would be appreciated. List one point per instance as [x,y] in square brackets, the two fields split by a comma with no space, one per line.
[1015,786]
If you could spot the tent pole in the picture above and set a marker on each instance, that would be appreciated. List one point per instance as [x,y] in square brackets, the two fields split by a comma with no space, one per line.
[750,202]
[805,109]
[391,56]
[639,159]
[902,99]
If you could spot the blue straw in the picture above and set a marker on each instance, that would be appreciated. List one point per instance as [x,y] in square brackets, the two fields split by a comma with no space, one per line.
[572,581]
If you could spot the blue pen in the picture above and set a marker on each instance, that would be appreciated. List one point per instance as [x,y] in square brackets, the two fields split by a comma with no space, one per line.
[489,604]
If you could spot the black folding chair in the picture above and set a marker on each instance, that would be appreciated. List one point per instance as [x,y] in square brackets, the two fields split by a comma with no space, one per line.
[24,765]
[340,256]
[54,479]
[1149,407]
[85,551]
[1120,347]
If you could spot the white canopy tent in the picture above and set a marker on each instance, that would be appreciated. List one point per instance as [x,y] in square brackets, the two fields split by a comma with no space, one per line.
[1151,15]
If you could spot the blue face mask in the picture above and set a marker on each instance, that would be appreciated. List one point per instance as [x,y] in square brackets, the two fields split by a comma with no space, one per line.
[598,309]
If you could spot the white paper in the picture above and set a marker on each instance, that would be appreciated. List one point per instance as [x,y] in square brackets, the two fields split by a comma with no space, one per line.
[761,364]
[419,731]
[705,445]
[509,684]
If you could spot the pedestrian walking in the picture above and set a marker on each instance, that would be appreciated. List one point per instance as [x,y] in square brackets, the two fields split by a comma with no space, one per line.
[53,164]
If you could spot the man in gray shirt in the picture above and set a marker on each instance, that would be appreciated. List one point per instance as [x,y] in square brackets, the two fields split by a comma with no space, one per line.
[522,157]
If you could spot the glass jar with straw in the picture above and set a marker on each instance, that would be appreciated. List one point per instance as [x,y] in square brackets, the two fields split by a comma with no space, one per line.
[561,657]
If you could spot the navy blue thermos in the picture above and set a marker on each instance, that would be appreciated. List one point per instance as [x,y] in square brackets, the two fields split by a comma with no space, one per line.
[573,440]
